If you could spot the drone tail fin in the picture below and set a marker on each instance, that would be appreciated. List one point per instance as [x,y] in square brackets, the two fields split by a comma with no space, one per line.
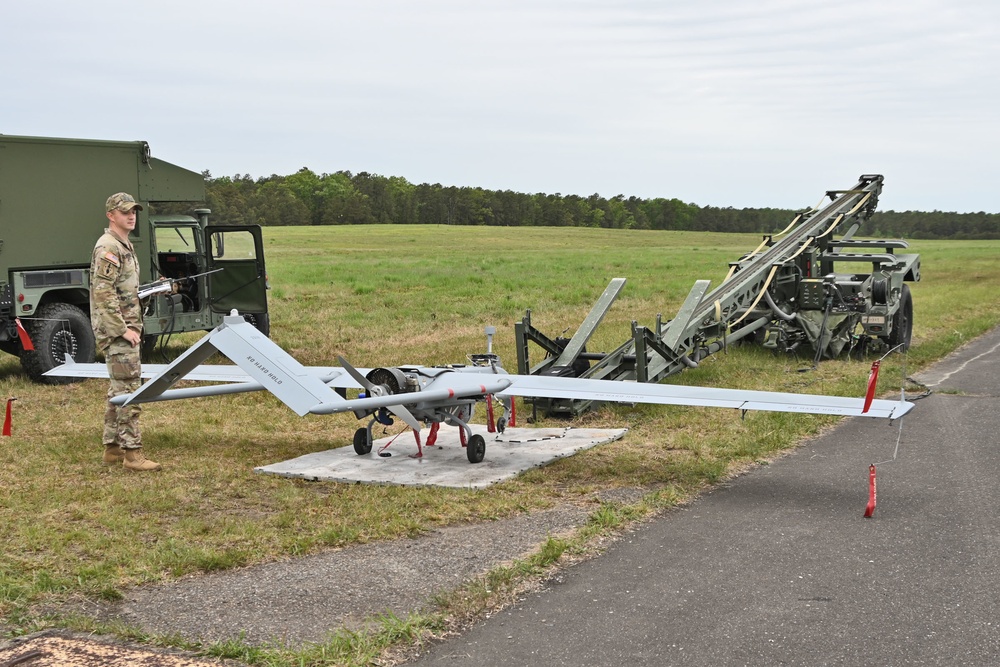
[268,365]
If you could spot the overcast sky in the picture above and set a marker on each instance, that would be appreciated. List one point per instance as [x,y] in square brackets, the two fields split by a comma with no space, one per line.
[718,102]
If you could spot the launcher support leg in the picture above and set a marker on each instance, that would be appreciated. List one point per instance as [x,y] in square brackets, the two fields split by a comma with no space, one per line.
[433,435]
[420,450]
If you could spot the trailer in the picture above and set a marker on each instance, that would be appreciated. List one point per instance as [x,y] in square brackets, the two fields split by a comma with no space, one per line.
[802,286]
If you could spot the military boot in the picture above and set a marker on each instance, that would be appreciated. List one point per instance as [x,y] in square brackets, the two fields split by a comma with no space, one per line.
[134,460]
[113,455]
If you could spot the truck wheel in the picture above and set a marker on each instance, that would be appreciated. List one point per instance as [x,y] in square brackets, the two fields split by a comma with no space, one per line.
[902,322]
[57,329]
[148,348]
[261,321]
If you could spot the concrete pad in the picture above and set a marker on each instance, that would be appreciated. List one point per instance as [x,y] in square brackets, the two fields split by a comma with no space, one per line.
[507,455]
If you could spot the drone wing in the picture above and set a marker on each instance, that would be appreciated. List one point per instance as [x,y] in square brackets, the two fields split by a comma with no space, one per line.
[537,386]
[333,376]
[203,373]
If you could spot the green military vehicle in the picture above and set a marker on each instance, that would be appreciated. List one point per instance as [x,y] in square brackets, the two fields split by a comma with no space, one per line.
[52,210]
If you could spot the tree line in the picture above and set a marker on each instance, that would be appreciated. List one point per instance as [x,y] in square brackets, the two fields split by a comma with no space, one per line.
[343,198]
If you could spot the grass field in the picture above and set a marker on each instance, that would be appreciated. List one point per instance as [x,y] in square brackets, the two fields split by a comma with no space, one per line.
[383,295]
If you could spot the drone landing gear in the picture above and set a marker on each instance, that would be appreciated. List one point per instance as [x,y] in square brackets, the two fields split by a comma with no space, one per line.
[363,440]
[474,443]
[499,425]
[475,450]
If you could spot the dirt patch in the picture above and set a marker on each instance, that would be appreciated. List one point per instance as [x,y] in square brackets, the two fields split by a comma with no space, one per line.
[51,649]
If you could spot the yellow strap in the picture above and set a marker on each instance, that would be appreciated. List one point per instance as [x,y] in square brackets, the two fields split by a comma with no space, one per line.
[832,226]
[840,217]
[805,244]
[791,224]
[860,203]
[760,295]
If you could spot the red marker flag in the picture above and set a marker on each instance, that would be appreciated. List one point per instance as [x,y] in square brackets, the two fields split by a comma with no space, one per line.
[872,383]
[26,344]
[870,510]
[7,420]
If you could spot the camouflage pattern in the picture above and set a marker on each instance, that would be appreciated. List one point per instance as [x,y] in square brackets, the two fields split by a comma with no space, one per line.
[114,309]
[114,290]
[122,201]
[121,423]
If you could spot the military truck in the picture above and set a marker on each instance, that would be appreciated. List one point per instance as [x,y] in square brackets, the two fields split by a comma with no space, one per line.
[52,210]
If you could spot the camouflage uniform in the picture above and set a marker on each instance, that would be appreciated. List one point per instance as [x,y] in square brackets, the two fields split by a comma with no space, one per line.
[115,308]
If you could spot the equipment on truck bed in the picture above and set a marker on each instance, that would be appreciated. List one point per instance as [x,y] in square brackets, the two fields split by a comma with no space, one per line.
[787,292]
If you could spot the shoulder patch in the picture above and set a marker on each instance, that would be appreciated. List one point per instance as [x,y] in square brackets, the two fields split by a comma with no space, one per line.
[107,266]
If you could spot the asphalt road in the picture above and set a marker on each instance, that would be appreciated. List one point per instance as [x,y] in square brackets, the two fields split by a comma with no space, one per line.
[779,567]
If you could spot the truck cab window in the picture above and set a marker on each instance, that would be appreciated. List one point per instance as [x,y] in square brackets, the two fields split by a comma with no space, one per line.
[234,245]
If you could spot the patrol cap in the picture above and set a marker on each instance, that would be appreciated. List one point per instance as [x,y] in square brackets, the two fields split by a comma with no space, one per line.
[123,202]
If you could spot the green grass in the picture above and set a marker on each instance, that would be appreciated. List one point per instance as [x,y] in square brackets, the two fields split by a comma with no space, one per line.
[390,295]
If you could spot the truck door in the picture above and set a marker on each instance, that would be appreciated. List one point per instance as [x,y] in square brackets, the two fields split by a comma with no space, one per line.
[242,283]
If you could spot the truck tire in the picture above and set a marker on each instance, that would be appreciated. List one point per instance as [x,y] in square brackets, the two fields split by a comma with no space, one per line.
[57,329]
[11,347]
[902,321]
[261,321]
[148,347]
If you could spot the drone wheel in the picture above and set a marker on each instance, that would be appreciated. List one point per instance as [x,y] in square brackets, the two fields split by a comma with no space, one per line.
[476,449]
[362,444]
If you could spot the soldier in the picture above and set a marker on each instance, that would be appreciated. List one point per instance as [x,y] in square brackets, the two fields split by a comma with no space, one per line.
[116,315]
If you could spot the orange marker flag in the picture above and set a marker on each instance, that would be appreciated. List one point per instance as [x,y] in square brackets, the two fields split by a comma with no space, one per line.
[22,333]
[7,420]
[872,383]
[870,509]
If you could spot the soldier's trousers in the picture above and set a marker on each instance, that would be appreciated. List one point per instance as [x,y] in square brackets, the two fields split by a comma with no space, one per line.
[121,423]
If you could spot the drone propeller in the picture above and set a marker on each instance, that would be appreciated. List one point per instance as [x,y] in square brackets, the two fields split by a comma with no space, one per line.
[377,390]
